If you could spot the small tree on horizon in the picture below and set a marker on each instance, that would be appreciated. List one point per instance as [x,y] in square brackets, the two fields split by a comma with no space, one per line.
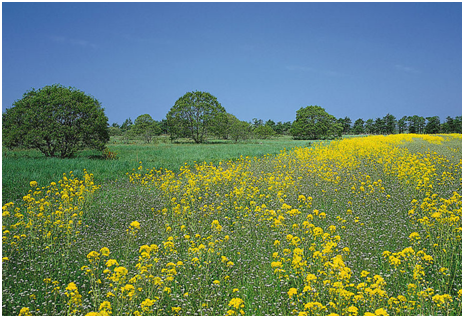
[358,126]
[313,122]
[195,115]
[146,127]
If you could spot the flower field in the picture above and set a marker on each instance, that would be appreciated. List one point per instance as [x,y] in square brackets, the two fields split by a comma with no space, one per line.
[362,226]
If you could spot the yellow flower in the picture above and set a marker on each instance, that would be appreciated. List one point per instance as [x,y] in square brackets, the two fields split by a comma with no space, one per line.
[176,309]
[381,312]
[25,312]
[92,255]
[364,273]
[147,303]
[71,287]
[33,184]
[276,264]
[135,224]
[236,303]
[105,251]
[111,262]
[292,291]
[414,236]
[353,310]
[93,313]
[105,305]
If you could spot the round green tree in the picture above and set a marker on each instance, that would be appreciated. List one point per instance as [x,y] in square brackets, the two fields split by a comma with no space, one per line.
[196,115]
[56,120]
[313,122]
[146,127]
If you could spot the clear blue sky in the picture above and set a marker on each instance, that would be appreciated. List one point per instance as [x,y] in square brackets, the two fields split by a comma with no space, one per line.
[261,60]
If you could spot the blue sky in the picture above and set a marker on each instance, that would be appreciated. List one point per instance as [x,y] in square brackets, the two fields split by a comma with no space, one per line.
[261,60]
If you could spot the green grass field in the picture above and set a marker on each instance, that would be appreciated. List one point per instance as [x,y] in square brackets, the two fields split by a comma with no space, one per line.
[360,226]
[20,167]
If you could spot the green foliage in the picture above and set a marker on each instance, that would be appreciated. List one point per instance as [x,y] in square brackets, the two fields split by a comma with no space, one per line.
[369,126]
[127,124]
[146,127]
[402,124]
[416,124]
[358,126]
[313,122]
[390,124]
[109,155]
[346,124]
[237,129]
[195,115]
[433,125]
[452,125]
[379,126]
[56,120]
[263,132]
[114,131]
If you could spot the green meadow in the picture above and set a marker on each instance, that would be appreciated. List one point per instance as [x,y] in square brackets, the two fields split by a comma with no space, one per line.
[357,226]
[21,166]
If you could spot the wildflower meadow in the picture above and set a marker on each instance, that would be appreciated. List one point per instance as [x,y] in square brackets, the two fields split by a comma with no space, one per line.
[358,226]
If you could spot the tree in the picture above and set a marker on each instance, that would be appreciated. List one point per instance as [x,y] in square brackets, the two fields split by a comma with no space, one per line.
[402,124]
[114,131]
[369,126]
[447,126]
[433,125]
[56,120]
[237,129]
[390,124]
[257,122]
[457,125]
[313,122]
[126,125]
[263,132]
[358,126]
[195,115]
[146,127]
[421,124]
[379,126]
[271,124]
[164,126]
[416,124]
[346,124]
[286,127]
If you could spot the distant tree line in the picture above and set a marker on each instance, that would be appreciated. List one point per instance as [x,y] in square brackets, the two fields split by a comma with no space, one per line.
[407,124]
[198,116]
[59,121]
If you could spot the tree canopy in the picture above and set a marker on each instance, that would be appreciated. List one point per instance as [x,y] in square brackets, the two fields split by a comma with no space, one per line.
[146,127]
[195,115]
[313,122]
[56,120]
